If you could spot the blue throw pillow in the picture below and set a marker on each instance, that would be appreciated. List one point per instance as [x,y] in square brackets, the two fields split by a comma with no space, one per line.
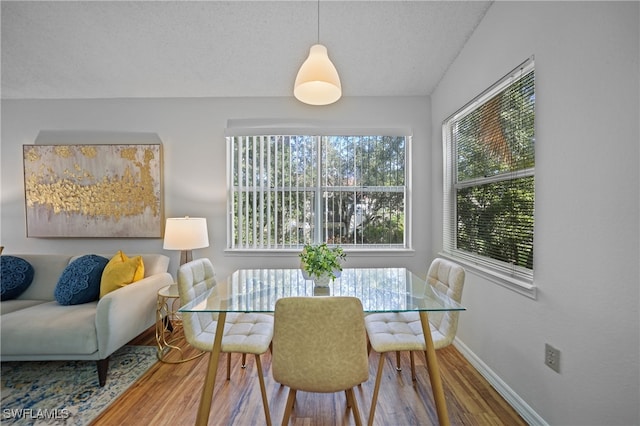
[16,275]
[80,280]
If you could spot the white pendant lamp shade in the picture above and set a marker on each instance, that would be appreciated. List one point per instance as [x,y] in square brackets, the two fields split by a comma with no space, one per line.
[317,82]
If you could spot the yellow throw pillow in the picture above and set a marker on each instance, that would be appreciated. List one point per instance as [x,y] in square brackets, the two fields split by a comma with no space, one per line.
[120,271]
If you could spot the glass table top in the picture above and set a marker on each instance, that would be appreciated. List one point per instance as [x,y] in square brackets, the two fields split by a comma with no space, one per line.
[379,289]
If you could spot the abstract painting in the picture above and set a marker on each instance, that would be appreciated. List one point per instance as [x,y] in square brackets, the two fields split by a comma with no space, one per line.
[93,190]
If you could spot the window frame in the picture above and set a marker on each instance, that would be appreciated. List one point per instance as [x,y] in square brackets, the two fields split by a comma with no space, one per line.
[233,248]
[511,276]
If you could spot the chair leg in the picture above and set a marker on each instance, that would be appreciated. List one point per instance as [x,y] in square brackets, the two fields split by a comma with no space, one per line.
[368,353]
[244,361]
[346,394]
[413,366]
[287,411]
[398,367]
[354,406]
[263,390]
[376,388]
[228,365]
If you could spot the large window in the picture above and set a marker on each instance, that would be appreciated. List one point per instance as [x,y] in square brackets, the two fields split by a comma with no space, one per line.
[489,178]
[289,190]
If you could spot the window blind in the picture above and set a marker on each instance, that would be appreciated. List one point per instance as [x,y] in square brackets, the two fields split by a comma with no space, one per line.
[289,190]
[489,177]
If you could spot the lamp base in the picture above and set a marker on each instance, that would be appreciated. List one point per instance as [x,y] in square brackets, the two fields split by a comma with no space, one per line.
[185,256]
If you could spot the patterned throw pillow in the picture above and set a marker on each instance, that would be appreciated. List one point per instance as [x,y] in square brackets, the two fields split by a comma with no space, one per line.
[80,280]
[15,276]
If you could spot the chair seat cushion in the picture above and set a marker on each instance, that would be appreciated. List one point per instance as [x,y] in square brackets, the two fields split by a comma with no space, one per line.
[398,331]
[201,338]
[246,333]
[250,333]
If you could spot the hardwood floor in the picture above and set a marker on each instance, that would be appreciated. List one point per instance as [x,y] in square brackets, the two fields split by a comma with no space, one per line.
[169,394]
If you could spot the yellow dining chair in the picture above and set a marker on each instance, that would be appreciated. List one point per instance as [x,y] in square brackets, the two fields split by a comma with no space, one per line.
[402,331]
[319,345]
[245,333]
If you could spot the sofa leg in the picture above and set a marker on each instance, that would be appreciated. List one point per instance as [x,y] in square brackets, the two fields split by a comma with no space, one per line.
[103,366]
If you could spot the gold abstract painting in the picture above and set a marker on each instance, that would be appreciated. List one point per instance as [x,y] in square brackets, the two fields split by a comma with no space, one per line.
[93,190]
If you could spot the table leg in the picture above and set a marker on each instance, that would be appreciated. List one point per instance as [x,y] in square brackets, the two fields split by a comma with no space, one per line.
[212,369]
[434,372]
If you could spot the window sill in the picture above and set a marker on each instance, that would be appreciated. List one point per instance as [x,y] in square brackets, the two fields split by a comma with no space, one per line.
[355,252]
[519,286]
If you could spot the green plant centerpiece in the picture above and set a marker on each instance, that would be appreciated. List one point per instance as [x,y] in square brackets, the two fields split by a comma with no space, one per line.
[321,262]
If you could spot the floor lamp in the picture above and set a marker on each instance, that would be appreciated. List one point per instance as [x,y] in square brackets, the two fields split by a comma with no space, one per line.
[185,234]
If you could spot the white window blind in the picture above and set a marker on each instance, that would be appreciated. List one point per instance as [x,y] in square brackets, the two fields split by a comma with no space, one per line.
[289,190]
[489,174]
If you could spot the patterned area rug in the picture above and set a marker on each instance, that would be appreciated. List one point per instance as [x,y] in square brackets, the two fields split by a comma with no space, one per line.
[67,392]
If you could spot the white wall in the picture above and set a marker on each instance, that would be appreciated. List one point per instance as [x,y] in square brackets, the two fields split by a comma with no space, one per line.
[587,200]
[192,133]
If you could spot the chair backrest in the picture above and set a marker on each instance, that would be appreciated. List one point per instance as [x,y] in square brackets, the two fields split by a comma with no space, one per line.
[195,278]
[448,278]
[319,343]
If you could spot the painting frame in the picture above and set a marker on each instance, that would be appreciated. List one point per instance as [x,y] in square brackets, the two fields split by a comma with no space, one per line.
[93,190]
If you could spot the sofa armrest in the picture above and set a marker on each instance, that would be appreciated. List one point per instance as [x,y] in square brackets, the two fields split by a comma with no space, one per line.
[125,313]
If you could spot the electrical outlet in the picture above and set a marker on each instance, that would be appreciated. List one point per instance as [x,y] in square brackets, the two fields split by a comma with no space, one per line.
[552,357]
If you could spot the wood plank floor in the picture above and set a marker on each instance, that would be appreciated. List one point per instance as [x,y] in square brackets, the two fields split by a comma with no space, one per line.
[168,394]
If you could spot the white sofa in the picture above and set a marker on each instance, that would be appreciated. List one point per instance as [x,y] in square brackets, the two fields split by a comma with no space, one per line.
[34,327]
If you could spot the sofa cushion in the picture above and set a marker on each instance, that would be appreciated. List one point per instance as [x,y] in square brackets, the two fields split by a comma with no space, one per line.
[16,275]
[50,329]
[9,306]
[80,280]
[120,271]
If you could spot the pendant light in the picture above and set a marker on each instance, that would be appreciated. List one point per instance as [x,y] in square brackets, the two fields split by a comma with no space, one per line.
[317,82]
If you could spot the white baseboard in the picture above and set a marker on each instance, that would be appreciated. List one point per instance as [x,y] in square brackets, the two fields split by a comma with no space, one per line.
[518,404]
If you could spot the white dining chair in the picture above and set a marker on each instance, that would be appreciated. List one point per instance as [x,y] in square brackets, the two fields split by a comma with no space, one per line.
[245,333]
[402,331]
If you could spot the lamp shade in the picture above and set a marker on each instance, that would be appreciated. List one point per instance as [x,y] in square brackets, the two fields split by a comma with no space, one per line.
[186,233]
[317,82]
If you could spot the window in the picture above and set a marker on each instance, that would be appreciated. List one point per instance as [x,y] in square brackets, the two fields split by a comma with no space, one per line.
[489,178]
[289,190]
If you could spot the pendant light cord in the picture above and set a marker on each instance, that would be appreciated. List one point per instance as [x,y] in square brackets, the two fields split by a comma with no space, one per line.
[318,21]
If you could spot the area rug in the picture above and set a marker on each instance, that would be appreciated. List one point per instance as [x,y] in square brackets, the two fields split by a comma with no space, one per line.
[67,392]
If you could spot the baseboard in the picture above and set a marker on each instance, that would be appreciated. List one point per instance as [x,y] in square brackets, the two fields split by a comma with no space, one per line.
[518,404]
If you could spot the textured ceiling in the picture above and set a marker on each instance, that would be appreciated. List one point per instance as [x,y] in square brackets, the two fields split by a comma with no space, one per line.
[122,49]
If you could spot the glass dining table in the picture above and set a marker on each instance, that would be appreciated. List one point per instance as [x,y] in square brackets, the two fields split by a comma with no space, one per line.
[379,290]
